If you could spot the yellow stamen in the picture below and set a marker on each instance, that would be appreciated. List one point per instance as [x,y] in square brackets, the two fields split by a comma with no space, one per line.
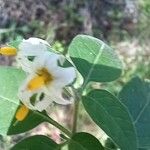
[43,78]
[9,51]
[22,112]
[35,83]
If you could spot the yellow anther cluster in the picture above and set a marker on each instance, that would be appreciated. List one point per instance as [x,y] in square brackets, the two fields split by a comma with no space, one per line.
[22,112]
[8,51]
[43,77]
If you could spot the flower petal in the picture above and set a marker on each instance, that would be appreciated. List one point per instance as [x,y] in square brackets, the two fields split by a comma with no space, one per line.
[33,47]
[57,97]
[49,109]
[24,95]
[24,63]
[52,59]
[45,60]
[63,76]
[44,103]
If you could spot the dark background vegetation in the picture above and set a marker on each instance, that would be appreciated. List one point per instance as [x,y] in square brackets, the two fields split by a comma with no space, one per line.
[123,24]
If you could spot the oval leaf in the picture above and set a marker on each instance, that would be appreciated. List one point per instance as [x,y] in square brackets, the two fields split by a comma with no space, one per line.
[95,60]
[110,115]
[37,142]
[10,80]
[84,141]
[136,96]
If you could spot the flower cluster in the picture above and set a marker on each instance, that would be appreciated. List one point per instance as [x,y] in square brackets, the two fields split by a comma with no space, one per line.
[46,78]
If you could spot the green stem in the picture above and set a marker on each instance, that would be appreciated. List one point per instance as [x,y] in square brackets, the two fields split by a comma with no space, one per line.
[75,116]
[53,122]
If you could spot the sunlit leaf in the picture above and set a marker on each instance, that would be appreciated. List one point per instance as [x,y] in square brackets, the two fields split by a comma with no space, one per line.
[95,60]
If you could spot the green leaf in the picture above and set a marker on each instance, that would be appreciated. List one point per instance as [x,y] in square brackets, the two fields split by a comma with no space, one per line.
[37,142]
[136,96]
[111,116]
[95,60]
[10,80]
[84,141]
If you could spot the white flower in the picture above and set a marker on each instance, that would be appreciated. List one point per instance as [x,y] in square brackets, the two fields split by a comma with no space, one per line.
[48,78]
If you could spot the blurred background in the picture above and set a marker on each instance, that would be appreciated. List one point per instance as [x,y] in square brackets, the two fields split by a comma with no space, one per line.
[123,24]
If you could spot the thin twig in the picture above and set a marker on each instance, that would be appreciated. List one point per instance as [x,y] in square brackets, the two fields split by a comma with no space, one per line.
[75,116]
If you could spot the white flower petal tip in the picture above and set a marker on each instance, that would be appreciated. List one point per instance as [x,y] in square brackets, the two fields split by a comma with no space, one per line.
[70,75]
[62,97]
[61,59]
[24,97]
[37,41]
[49,109]
[44,103]
[63,101]
[33,47]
